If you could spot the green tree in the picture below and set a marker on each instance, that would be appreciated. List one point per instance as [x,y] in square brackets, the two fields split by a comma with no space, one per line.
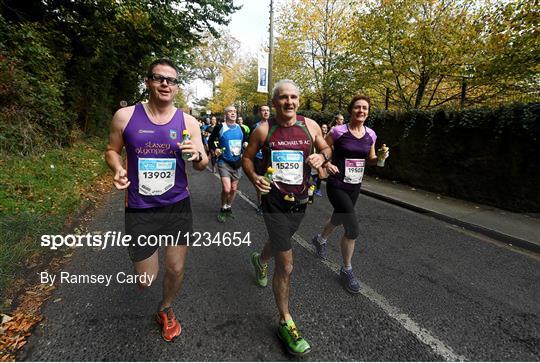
[313,47]
[436,53]
[510,60]
[213,55]
[246,84]
[227,93]
[102,47]
[415,48]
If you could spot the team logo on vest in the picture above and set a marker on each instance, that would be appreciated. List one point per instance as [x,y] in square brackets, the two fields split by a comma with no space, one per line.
[173,134]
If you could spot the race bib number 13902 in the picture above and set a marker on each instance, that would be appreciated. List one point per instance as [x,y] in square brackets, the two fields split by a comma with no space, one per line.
[156,176]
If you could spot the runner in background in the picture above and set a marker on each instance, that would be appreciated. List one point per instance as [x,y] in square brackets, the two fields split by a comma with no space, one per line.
[321,173]
[337,121]
[264,115]
[227,141]
[240,121]
[209,130]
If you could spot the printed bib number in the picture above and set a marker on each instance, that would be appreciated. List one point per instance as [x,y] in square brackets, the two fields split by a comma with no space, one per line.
[156,176]
[288,166]
[235,146]
[354,171]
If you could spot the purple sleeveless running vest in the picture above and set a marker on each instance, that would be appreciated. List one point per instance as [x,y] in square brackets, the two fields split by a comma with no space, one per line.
[348,146]
[294,138]
[155,169]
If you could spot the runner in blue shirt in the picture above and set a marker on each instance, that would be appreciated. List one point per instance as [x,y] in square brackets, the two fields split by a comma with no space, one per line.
[227,142]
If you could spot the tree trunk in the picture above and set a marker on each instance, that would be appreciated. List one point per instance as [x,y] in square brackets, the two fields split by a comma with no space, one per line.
[424,79]
[463,93]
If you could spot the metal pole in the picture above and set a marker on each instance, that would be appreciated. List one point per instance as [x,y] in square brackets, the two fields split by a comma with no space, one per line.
[270,54]
[463,93]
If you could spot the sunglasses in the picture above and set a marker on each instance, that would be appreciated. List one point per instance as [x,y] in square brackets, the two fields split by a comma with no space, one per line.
[159,79]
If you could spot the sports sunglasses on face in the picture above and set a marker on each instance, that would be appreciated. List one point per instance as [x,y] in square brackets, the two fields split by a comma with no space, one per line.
[158,78]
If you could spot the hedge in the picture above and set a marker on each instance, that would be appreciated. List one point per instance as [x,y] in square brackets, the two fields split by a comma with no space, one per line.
[489,156]
[485,155]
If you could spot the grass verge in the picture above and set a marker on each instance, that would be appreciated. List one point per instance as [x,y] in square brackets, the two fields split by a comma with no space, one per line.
[37,195]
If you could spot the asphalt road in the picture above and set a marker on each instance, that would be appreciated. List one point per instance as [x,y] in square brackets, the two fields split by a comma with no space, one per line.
[431,292]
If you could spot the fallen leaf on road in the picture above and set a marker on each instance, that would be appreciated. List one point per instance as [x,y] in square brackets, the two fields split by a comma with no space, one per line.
[5,318]
[17,329]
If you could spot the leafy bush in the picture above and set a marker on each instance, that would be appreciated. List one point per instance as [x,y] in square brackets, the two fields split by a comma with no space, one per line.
[38,193]
[32,114]
[484,155]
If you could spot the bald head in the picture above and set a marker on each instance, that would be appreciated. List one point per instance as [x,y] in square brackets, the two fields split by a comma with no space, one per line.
[281,84]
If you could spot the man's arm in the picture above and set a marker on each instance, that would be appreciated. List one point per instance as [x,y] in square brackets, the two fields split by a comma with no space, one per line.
[324,151]
[194,145]
[258,136]
[113,154]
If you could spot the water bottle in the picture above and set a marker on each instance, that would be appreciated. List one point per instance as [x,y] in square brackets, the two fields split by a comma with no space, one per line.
[268,176]
[310,192]
[185,136]
[381,155]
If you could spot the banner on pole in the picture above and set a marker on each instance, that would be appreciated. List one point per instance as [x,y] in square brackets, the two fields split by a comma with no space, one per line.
[262,85]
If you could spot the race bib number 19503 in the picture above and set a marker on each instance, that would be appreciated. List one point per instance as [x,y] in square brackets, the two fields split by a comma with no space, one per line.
[156,176]
[354,170]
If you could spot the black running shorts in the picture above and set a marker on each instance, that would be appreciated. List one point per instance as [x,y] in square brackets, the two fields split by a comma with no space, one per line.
[171,220]
[282,219]
[343,202]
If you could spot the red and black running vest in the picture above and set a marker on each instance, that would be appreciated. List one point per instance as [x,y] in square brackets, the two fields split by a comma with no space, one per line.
[286,150]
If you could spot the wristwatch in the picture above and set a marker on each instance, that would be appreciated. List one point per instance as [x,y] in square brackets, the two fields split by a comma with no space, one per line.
[199,159]
[326,157]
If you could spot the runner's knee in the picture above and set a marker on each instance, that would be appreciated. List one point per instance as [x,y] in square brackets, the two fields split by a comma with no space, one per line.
[176,269]
[226,188]
[146,283]
[284,268]
[351,230]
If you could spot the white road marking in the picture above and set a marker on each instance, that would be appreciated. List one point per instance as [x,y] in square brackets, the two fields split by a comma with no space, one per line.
[403,319]
[421,334]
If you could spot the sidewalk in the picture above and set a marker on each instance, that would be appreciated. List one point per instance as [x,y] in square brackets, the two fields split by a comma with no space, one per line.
[512,228]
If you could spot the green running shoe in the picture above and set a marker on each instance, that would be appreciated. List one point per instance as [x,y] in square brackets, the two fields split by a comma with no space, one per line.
[295,344]
[261,270]
[222,216]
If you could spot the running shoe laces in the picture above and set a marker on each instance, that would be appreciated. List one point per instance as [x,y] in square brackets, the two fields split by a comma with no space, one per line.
[170,317]
[321,248]
[261,270]
[170,327]
[263,267]
[294,332]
